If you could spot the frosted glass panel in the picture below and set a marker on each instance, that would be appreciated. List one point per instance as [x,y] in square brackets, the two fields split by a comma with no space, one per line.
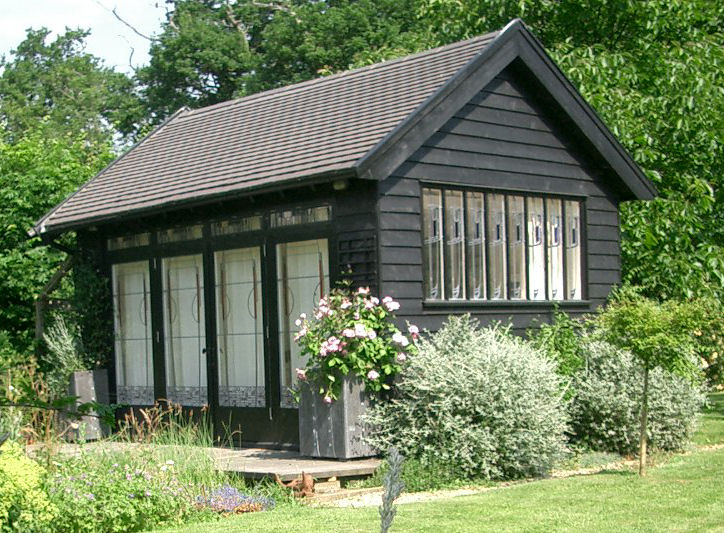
[454,221]
[516,248]
[555,250]
[573,250]
[475,239]
[183,309]
[239,319]
[132,321]
[302,279]
[432,243]
[496,245]
[536,250]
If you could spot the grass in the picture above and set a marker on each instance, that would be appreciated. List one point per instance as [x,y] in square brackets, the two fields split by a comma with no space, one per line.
[682,494]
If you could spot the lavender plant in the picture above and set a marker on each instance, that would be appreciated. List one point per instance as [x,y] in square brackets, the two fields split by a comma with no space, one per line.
[394,486]
[353,333]
[228,499]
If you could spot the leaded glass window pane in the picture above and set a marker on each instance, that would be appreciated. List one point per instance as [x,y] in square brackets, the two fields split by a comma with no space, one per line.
[454,221]
[183,307]
[233,226]
[496,246]
[432,243]
[475,239]
[300,215]
[516,248]
[573,250]
[536,250]
[555,249]
[125,242]
[302,280]
[180,234]
[239,322]
[132,325]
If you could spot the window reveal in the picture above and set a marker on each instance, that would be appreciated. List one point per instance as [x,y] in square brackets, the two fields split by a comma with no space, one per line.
[493,246]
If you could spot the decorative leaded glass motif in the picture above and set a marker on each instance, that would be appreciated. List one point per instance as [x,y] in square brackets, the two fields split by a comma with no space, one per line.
[302,280]
[516,248]
[536,250]
[180,234]
[132,325]
[125,242]
[454,219]
[239,322]
[233,226]
[573,250]
[475,239]
[183,310]
[300,215]
[496,246]
[432,248]
[555,249]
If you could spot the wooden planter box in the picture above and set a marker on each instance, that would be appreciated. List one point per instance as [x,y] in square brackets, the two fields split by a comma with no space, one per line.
[88,386]
[333,431]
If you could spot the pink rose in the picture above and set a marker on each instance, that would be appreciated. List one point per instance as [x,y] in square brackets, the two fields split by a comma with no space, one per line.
[412,329]
[400,339]
[360,330]
[401,357]
[369,304]
[301,374]
[346,304]
[373,375]
[327,400]
[392,306]
[349,333]
[363,290]
[372,334]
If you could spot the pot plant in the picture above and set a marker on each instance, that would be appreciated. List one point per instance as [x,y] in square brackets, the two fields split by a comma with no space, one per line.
[354,351]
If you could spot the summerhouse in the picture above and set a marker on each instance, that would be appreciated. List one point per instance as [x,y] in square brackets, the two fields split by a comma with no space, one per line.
[468,178]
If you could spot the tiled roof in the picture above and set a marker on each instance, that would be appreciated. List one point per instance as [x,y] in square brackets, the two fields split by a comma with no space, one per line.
[287,134]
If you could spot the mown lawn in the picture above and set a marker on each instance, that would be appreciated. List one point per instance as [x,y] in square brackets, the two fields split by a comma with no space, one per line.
[683,494]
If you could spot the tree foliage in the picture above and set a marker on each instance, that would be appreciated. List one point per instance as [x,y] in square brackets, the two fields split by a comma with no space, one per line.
[59,85]
[36,173]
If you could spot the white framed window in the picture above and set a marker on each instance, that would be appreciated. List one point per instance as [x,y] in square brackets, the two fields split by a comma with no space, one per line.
[495,246]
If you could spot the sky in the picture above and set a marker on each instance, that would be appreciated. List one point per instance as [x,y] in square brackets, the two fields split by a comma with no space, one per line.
[110,39]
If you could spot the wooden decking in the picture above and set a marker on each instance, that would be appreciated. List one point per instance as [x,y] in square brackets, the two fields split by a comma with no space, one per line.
[252,463]
[257,463]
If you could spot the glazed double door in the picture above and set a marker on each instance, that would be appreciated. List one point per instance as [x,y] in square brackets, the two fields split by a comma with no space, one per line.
[229,337]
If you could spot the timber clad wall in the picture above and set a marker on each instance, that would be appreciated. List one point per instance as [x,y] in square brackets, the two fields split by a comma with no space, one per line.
[502,139]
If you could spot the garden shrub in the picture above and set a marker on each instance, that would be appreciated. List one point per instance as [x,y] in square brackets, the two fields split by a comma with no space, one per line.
[605,408]
[480,401]
[24,504]
[561,341]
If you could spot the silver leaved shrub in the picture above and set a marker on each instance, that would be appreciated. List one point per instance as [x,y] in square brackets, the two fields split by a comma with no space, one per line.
[482,402]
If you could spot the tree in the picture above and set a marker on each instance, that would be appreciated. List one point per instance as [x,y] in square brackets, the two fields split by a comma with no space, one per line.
[36,173]
[211,51]
[657,335]
[64,89]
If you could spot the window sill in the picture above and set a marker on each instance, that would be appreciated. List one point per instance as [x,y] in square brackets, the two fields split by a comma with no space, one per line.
[441,306]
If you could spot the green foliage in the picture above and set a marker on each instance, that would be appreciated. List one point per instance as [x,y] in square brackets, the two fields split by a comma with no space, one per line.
[707,324]
[352,333]
[480,401]
[118,493]
[64,355]
[658,335]
[561,341]
[605,407]
[36,173]
[210,51]
[67,89]
[24,504]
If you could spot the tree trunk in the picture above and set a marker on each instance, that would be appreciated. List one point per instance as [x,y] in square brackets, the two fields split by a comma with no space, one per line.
[644,422]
